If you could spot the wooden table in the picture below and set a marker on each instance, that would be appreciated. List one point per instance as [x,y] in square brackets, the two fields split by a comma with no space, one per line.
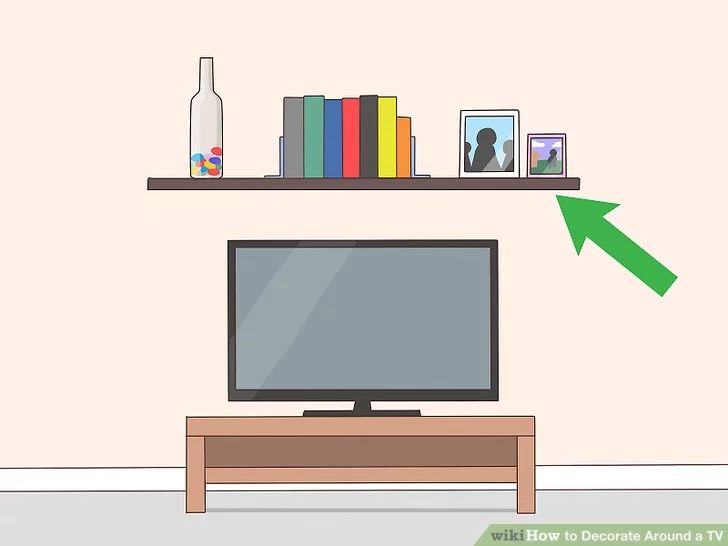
[253,450]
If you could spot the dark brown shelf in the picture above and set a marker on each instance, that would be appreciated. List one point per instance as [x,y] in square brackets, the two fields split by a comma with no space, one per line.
[364,184]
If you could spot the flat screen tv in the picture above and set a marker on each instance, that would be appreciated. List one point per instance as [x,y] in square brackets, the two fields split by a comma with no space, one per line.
[363,321]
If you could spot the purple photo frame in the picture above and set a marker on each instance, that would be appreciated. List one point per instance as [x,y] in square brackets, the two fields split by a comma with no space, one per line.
[536,153]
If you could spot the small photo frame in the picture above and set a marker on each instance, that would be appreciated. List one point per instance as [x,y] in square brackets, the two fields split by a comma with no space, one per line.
[547,155]
[489,144]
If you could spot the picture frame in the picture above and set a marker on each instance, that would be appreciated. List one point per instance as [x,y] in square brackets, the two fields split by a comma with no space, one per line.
[546,155]
[489,145]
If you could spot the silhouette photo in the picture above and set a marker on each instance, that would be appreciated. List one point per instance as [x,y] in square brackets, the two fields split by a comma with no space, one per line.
[489,143]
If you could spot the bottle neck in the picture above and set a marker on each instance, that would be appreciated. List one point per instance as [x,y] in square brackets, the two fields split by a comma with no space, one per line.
[206,75]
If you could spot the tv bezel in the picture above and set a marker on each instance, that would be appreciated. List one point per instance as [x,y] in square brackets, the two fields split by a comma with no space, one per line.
[329,395]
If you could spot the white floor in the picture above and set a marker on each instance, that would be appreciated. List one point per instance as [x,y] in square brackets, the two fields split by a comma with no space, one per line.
[551,477]
[366,518]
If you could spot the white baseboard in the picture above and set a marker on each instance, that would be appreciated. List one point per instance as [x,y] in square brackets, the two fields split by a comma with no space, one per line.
[576,478]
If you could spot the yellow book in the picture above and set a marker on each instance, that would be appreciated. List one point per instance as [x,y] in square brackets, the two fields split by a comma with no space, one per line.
[387,141]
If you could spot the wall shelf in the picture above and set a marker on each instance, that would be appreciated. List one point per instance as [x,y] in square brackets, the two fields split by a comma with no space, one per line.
[364,184]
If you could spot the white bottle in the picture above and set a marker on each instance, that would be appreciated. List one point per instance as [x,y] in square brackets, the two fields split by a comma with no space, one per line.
[206,126]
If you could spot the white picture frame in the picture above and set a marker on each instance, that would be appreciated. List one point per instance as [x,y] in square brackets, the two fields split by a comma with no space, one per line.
[495,156]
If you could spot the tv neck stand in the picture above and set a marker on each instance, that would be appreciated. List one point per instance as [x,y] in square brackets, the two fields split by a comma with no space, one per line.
[362,408]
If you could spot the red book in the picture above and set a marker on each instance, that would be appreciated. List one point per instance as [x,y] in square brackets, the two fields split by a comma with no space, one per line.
[350,137]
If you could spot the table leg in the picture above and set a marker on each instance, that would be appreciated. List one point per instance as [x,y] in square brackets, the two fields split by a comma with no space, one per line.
[526,486]
[195,486]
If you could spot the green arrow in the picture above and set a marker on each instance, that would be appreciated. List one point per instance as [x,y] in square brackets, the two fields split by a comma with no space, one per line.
[585,218]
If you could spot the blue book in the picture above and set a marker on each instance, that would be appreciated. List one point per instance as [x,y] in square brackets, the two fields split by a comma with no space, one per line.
[333,141]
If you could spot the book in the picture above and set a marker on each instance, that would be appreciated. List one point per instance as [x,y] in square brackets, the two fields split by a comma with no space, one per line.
[332,138]
[350,137]
[387,141]
[368,135]
[313,136]
[404,160]
[292,137]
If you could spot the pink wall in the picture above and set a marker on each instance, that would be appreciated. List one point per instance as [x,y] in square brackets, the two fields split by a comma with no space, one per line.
[113,298]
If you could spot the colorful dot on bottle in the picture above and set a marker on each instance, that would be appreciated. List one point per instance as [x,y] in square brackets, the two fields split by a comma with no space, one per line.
[213,172]
[197,157]
[217,150]
[203,170]
[209,165]
[215,160]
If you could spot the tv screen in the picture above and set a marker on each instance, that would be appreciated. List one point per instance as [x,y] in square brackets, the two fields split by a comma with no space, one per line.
[345,320]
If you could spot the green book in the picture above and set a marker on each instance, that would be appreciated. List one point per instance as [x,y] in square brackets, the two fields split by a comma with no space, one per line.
[313,136]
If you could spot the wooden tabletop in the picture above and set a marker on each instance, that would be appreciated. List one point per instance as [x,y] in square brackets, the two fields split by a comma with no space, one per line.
[362,426]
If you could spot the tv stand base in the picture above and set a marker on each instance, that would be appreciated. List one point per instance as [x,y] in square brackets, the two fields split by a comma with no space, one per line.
[362,408]
[354,413]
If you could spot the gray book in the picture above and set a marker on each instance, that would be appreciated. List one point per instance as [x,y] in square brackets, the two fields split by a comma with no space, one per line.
[368,136]
[292,137]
